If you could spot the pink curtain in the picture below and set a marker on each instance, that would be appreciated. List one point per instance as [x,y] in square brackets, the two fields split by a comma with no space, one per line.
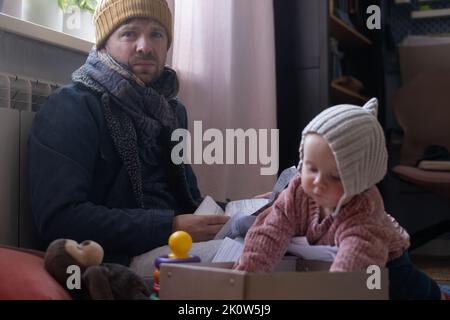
[224,53]
[171,4]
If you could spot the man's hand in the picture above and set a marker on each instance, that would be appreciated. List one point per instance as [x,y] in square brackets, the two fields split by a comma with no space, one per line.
[200,227]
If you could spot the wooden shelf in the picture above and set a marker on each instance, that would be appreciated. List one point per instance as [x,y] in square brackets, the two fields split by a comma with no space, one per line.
[350,41]
[43,34]
[340,94]
[348,37]
[409,1]
[434,13]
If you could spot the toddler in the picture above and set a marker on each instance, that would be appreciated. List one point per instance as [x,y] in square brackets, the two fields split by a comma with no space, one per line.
[334,201]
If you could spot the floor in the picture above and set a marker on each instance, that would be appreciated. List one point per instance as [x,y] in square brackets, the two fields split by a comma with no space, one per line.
[437,267]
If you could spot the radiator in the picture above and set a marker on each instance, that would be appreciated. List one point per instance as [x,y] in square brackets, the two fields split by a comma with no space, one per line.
[20,99]
[22,93]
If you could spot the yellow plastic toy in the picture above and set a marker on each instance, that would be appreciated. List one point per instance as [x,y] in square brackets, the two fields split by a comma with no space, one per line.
[180,243]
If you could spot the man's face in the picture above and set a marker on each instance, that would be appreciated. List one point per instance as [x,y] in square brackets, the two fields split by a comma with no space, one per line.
[141,44]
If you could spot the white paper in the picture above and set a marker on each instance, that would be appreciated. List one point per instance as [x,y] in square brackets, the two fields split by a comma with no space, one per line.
[243,207]
[209,207]
[233,209]
[247,206]
[230,250]
[300,247]
[283,180]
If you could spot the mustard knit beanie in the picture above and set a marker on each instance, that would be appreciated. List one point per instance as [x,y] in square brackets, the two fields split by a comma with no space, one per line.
[357,141]
[110,14]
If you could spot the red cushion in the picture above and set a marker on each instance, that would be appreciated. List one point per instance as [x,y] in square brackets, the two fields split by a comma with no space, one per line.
[23,277]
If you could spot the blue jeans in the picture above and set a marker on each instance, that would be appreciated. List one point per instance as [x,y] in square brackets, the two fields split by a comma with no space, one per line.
[406,282]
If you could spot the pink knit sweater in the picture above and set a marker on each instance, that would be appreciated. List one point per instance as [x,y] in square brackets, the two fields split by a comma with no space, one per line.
[363,232]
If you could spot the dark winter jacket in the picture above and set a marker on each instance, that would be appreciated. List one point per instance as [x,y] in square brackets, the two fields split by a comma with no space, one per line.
[84,184]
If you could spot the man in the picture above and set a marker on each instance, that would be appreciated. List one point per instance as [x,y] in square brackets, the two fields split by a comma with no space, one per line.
[100,148]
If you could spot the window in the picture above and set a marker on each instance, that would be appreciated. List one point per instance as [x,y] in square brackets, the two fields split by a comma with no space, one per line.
[75,20]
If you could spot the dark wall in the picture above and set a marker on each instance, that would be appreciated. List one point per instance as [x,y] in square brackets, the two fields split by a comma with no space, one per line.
[301,29]
[27,57]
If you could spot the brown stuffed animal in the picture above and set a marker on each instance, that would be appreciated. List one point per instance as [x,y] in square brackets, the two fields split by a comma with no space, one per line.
[99,281]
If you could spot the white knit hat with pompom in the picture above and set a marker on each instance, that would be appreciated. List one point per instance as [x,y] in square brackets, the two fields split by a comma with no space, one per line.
[357,141]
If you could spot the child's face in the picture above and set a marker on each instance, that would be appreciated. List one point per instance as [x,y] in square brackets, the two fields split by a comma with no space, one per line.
[320,177]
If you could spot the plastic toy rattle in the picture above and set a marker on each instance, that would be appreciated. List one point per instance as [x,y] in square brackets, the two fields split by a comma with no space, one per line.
[180,242]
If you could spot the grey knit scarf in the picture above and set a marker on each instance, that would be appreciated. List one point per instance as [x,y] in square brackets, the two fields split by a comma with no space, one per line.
[128,104]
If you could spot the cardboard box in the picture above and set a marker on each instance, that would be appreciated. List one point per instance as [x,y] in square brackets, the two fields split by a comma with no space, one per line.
[415,59]
[311,281]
